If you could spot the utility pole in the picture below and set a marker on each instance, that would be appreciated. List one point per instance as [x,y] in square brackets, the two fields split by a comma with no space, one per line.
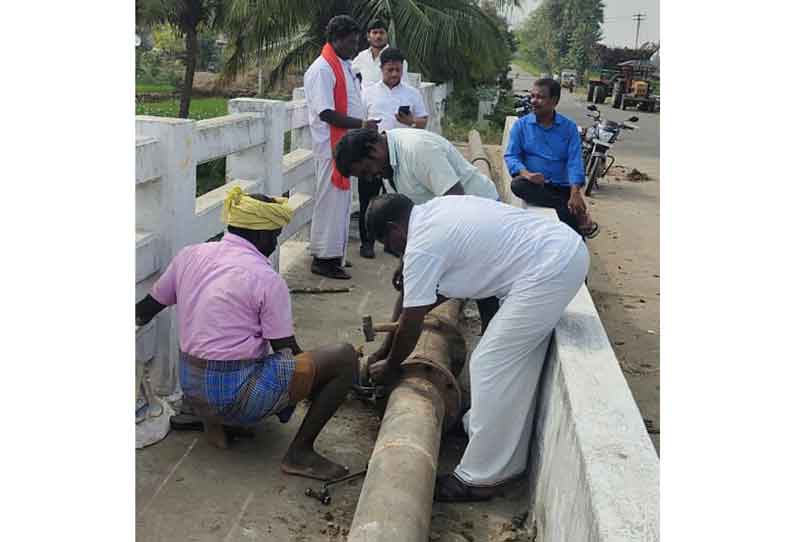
[638,17]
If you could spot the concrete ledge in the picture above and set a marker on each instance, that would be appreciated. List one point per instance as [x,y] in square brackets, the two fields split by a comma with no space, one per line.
[147,254]
[220,136]
[594,474]
[297,114]
[298,167]
[147,160]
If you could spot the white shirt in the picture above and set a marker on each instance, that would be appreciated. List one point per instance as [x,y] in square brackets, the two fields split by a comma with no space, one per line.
[369,67]
[318,84]
[426,166]
[383,102]
[472,248]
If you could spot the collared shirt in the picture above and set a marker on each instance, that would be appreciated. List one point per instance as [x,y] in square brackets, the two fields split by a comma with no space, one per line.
[383,102]
[318,84]
[369,67]
[556,151]
[229,300]
[426,165]
[472,248]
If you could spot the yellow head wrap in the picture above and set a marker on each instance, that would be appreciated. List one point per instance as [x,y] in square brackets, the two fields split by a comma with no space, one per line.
[243,211]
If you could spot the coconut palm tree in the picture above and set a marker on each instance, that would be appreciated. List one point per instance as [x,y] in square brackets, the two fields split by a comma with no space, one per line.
[186,17]
[444,39]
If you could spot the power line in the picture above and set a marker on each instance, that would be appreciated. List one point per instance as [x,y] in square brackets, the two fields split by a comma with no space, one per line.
[638,17]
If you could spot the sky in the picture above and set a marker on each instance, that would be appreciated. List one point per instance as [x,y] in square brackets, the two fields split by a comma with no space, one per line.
[619,28]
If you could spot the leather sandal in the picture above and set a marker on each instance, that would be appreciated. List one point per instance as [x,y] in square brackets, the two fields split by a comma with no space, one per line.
[590,231]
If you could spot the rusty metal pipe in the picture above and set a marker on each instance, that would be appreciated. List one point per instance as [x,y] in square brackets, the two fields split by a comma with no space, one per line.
[396,498]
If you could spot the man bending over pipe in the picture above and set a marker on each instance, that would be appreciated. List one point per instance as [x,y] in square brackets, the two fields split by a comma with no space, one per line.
[234,311]
[470,247]
[421,165]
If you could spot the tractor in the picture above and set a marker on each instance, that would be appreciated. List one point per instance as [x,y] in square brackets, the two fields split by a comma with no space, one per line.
[629,85]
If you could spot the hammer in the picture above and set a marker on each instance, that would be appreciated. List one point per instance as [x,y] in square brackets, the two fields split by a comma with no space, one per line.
[370,329]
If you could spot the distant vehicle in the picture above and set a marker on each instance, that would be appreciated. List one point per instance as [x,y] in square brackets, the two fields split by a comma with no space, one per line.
[568,79]
[568,75]
[623,81]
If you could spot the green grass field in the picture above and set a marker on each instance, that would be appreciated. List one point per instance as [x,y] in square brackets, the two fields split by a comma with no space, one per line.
[200,108]
[154,87]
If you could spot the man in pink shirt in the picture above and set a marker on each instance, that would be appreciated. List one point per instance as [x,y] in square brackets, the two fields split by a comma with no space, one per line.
[239,359]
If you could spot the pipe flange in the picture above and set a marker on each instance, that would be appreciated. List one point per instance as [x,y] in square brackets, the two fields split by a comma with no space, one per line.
[444,381]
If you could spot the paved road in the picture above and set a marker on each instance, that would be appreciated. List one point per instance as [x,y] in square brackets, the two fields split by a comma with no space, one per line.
[636,149]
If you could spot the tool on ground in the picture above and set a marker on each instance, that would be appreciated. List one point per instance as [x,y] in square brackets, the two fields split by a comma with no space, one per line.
[369,329]
[311,290]
[324,494]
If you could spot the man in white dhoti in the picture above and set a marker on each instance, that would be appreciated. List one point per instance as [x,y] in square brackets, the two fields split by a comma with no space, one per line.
[471,248]
[333,97]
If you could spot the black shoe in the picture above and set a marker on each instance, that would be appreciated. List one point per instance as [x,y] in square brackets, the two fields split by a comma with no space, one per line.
[338,262]
[329,268]
[367,250]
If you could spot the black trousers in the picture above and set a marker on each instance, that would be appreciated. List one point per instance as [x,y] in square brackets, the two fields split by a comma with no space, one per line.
[547,195]
[487,308]
[367,190]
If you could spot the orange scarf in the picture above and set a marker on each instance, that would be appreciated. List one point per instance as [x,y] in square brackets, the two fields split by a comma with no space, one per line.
[340,106]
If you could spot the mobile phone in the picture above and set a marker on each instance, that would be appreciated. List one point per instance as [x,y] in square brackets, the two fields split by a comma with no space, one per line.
[404,110]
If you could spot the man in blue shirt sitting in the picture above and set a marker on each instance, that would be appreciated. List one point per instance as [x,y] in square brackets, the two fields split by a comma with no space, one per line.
[544,157]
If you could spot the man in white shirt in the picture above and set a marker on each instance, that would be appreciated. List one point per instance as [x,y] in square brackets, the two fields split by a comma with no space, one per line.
[334,101]
[398,106]
[396,103]
[421,164]
[467,247]
[367,62]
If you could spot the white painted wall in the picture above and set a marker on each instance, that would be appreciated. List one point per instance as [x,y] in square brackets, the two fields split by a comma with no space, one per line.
[594,474]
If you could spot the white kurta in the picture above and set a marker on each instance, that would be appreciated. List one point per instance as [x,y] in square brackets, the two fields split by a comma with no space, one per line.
[331,215]
[383,103]
[470,247]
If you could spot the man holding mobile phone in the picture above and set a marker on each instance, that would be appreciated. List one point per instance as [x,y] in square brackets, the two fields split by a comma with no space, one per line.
[398,105]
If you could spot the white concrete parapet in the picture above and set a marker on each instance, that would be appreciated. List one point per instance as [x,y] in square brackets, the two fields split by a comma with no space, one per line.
[594,474]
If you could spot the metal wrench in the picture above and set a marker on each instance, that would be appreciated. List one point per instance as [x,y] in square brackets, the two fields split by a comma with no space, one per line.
[324,495]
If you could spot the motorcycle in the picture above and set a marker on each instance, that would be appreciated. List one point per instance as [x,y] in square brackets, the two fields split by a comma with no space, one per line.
[596,142]
[522,105]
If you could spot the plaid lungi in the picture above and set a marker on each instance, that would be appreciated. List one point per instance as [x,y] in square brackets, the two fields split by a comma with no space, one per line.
[240,392]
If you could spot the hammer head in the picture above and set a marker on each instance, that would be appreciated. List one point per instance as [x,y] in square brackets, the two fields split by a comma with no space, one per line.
[366,327]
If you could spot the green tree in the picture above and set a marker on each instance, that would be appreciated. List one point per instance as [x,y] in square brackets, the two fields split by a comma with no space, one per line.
[562,33]
[187,18]
[444,39]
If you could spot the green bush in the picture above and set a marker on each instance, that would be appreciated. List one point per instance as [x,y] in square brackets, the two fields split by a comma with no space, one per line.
[461,114]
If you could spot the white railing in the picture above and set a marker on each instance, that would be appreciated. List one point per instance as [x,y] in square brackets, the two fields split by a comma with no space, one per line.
[169,216]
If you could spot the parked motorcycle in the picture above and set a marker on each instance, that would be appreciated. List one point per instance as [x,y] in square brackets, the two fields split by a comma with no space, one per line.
[522,105]
[596,142]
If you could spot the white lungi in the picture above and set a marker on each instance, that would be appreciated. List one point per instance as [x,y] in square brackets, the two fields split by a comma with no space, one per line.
[505,369]
[331,214]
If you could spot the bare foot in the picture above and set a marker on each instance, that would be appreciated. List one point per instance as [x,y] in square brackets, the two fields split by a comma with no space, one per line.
[312,465]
